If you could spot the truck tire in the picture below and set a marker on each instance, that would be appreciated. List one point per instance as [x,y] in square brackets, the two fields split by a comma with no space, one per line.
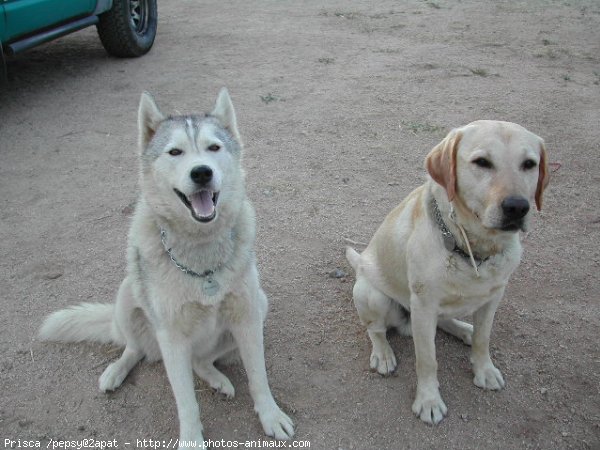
[128,28]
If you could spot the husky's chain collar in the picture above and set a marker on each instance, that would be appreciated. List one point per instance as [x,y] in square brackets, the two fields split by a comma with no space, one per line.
[210,286]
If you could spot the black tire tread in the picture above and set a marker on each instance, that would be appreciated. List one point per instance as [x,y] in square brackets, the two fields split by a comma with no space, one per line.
[116,35]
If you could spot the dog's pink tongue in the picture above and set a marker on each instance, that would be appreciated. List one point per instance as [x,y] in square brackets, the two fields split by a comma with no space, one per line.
[202,203]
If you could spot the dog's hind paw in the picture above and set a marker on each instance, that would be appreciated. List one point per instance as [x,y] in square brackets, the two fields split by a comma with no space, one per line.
[224,387]
[112,377]
[488,377]
[462,330]
[277,424]
[429,407]
[215,379]
[384,361]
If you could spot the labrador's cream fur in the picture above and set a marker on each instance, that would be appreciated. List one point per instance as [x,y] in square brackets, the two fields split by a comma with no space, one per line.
[473,171]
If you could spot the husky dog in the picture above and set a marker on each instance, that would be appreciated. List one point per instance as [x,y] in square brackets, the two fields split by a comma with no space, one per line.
[191,295]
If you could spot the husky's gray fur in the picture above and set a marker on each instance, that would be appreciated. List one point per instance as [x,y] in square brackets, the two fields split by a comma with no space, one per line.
[192,191]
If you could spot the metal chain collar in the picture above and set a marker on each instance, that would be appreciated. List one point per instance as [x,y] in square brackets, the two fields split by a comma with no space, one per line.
[449,240]
[184,269]
[437,215]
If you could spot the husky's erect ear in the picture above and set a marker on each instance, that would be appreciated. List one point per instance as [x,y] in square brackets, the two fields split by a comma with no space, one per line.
[441,162]
[149,118]
[225,113]
[543,177]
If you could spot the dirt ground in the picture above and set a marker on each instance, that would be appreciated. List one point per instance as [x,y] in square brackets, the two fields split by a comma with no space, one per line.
[338,103]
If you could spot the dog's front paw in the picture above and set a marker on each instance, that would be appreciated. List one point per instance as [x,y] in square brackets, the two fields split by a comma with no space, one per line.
[429,406]
[383,360]
[488,377]
[276,423]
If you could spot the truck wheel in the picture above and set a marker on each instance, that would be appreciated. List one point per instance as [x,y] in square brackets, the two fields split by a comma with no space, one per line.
[128,28]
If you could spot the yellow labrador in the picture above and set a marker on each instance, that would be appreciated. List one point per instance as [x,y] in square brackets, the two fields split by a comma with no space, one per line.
[449,249]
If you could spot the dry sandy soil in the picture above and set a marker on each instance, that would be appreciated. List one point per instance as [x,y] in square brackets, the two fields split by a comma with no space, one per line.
[338,102]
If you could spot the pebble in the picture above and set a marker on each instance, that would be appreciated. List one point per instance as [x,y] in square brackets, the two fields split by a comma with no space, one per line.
[338,273]
[129,209]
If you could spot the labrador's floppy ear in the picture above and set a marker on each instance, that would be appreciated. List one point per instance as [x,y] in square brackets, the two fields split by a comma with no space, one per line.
[441,162]
[149,118]
[225,114]
[543,177]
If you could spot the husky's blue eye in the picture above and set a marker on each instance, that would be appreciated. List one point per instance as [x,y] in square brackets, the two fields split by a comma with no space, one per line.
[175,152]
[214,147]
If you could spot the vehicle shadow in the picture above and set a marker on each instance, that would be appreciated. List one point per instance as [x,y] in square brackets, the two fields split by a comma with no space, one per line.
[51,64]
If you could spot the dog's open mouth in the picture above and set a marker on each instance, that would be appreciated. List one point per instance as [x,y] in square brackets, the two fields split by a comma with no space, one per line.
[202,204]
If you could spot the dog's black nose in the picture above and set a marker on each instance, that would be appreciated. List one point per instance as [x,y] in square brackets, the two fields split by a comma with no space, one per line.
[515,207]
[201,174]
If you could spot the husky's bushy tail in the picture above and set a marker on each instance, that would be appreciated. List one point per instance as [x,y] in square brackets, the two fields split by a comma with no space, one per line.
[85,322]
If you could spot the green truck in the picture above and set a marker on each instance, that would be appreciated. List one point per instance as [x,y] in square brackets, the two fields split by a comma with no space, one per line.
[126,27]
